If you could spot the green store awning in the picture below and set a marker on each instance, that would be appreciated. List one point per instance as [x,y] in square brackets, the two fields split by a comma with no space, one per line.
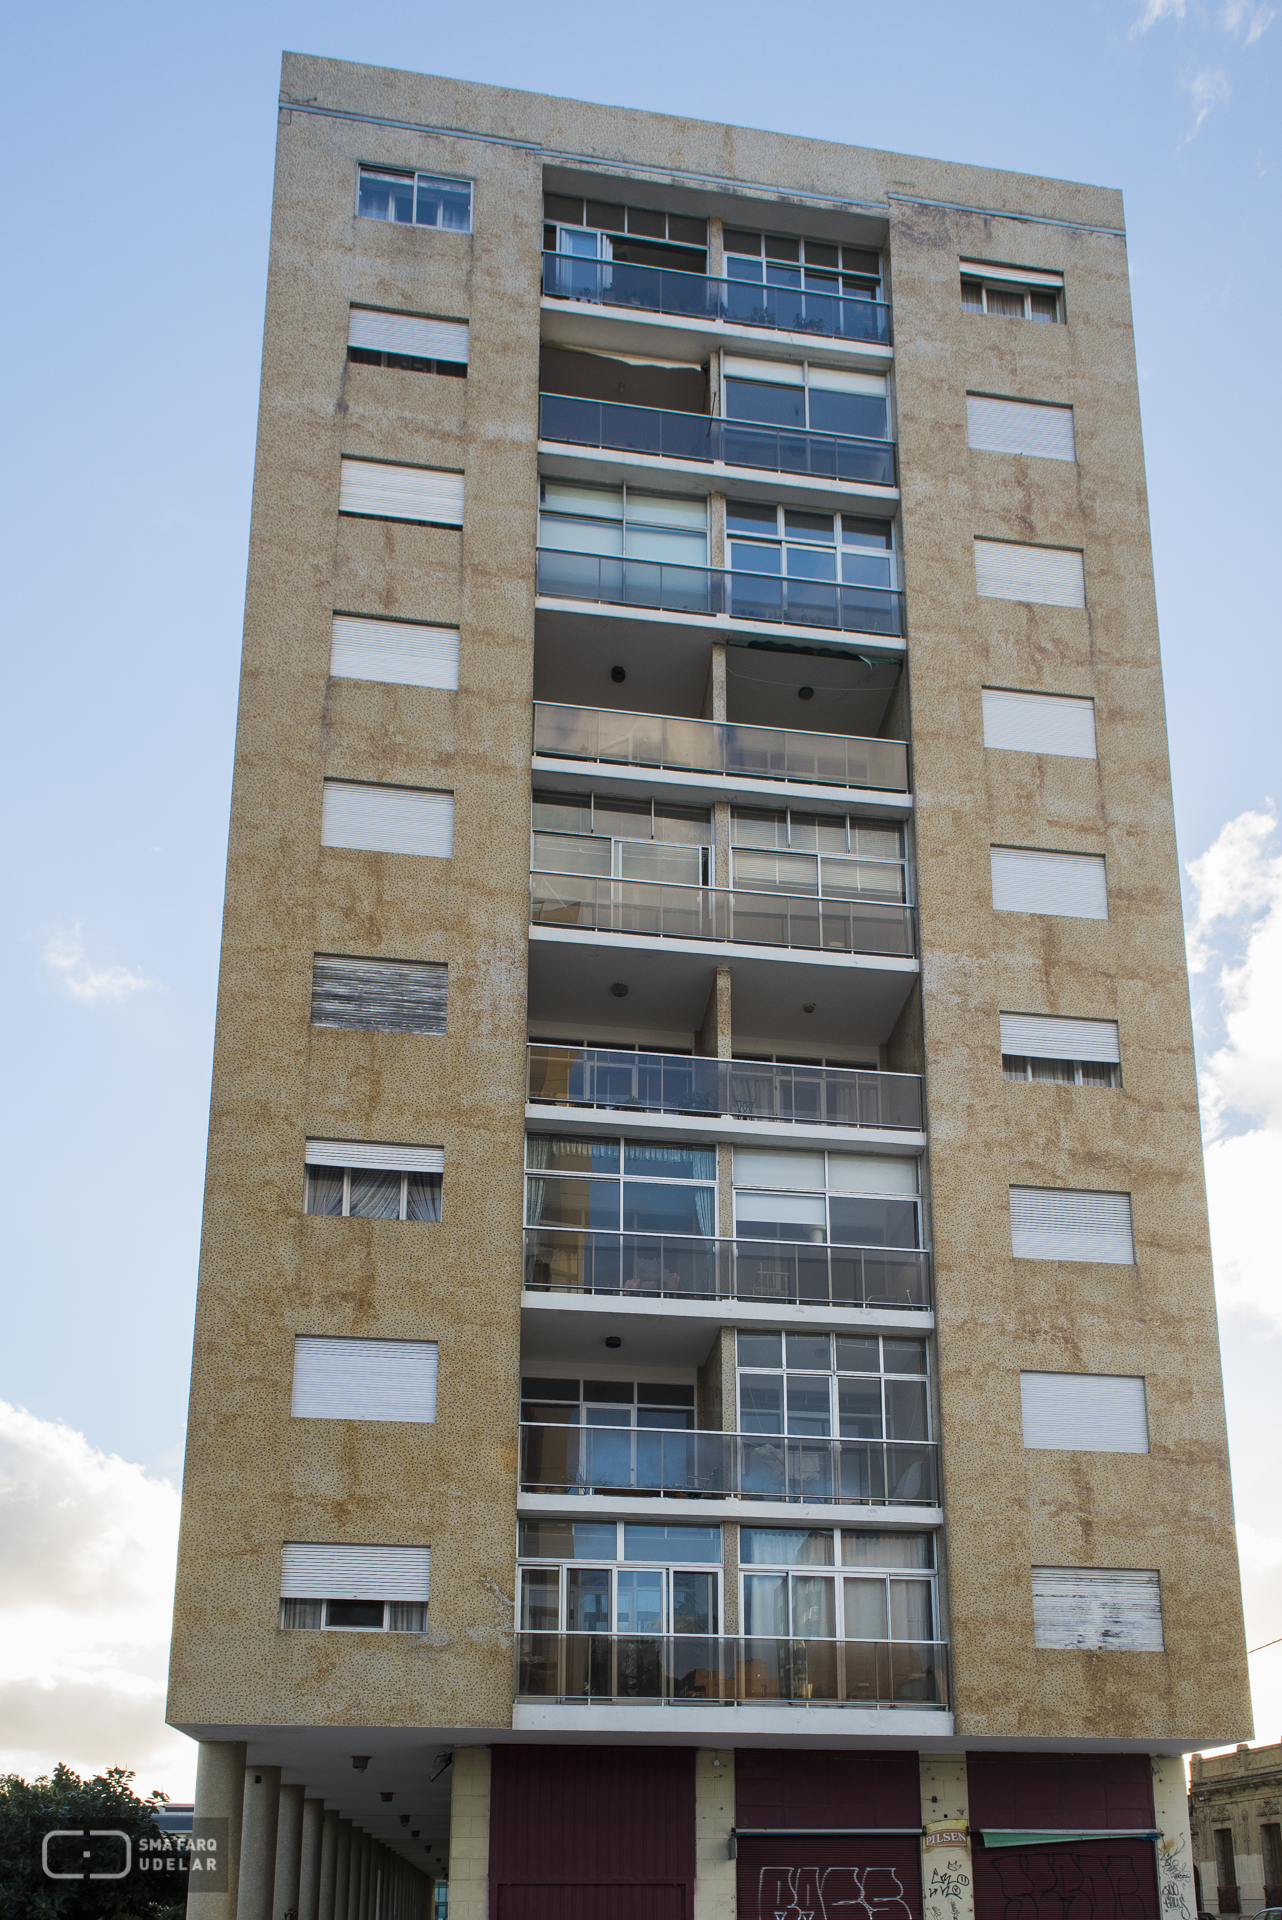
[1054,1836]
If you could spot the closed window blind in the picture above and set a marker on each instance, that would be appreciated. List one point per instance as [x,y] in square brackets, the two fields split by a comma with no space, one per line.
[1020,426]
[388,819]
[386,996]
[1084,1412]
[364,1380]
[1028,881]
[409,333]
[1049,576]
[393,650]
[312,1571]
[373,1153]
[1041,1036]
[1014,276]
[1039,723]
[1111,1608]
[1056,1223]
[401,493]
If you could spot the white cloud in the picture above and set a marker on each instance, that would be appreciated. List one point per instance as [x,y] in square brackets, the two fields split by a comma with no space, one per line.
[1238,14]
[87,1549]
[65,956]
[1209,88]
[1155,10]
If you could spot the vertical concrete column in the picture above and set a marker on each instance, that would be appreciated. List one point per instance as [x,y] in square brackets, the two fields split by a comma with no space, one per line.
[289,1852]
[470,1834]
[714,688]
[342,1868]
[1175,1893]
[316,1824]
[947,1882]
[220,1795]
[721,869]
[364,1901]
[258,1843]
[714,1870]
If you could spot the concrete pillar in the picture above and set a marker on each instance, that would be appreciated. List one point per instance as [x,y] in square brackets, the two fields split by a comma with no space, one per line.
[258,1843]
[1175,1894]
[289,1852]
[947,1883]
[309,1863]
[363,1885]
[359,1843]
[470,1834]
[342,1868]
[714,1870]
[220,1795]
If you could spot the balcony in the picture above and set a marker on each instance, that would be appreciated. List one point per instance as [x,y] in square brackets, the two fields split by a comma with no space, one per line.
[684,1084]
[661,910]
[700,297]
[653,1463]
[722,748]
[700,438]
[712,1670]
[747,599]
[652,1266]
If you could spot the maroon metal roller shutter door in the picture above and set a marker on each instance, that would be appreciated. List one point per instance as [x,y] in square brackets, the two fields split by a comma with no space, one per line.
[1084,1879]
[608,1902]
[829,1879]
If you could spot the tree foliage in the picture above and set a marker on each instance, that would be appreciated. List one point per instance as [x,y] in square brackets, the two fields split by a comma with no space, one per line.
[29,1809]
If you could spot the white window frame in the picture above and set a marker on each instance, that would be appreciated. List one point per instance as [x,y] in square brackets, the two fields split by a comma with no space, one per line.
[781,542]
[769,379]
[839,273]
[852,823]
[528,1563]
[625,522]
[324,1624]
[618,842]
[619,1179]
[347,1214]
[1008,280]
[415,175]
[839,1572]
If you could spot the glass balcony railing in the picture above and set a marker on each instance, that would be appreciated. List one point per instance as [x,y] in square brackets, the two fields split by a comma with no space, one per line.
[697,436]
[689,1669]
[652,1462]
[629,1082]
[676,1267]
[697,296]
[669,587]
[717,746]
[659,909]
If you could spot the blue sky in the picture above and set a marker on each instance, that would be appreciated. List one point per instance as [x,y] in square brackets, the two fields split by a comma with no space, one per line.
[140,143]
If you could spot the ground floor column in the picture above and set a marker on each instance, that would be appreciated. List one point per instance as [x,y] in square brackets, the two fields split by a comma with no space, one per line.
[947,1883]
[1175,1895]
[470,1834]
[343,1869]
[258,1843]
[220,1796]
[289,1851]
[714,1866]
[309,1862]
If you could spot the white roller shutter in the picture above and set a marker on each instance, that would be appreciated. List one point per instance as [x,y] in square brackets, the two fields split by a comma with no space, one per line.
[312,1571]
[1039,723]
[1041,1036]
[1048,576]
[373,1153]
[388,819]
[425,494]
[1025,880]
[393,650]
[364,1380]
[408,333]
[1114,1608]
[838,380]
[782,373]
[386,996]
[1020,426]
[1011,276]
[1058,1223]
[1084,1412]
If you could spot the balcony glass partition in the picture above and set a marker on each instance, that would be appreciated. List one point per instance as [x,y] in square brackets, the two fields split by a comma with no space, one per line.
[624,1080]
[670,1266]
[705,1669]
[723,747]
[699,296]
[756,597]
[694,436]
[709,913]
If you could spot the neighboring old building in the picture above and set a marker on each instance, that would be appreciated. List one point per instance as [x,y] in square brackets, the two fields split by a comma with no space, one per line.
[1236,1806]
[706,1394]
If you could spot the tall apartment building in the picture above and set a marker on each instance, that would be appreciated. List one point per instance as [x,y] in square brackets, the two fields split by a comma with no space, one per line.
[706,1395]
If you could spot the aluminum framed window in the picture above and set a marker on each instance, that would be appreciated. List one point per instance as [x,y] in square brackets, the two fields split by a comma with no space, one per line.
[838,1583]
[623,1577]
[414,199]
[356,1616]
[636,236]
[786,260]
[623,522]
[835,1199]
[835,855]
[801,545]
[605,837]
[795,394]
[1012,293]
[373,1193]
[612,1185]
[834,1386]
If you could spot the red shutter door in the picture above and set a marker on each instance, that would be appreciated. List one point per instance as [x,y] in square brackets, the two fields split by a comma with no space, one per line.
[610,1901]
[830,1879]
[1087,1879]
